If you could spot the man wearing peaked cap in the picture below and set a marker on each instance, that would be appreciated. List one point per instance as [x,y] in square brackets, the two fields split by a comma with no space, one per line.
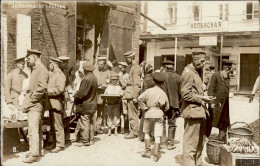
[219,88]
[34,104]
[55,90]
[133,87]
[153,102]
[12,90]
[172,88]
[85,100]
[123,64]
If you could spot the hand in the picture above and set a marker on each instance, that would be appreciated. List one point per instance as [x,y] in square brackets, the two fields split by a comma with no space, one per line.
[135,100]
[208,98]
[212,105]
[251,98]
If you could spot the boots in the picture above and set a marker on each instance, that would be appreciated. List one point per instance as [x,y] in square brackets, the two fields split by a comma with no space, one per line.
[163,139]
[171,135]
[122,130]
[109,131]
[156,152]
[147,153]
[115,132]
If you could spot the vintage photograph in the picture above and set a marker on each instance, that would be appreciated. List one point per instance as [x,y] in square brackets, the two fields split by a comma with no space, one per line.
[122,83]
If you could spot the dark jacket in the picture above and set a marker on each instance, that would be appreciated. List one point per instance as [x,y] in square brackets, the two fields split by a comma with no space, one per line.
[219,88]
[171,86]
[86,97]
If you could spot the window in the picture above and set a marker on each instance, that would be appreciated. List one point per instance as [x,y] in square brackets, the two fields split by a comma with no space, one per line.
[172,12]
[223,12]
[196,10]
[252,10]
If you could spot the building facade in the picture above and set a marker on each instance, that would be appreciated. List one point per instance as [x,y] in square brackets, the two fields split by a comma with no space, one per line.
[222,29]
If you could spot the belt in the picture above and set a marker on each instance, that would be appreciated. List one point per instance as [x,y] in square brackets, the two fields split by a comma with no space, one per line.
[16,91]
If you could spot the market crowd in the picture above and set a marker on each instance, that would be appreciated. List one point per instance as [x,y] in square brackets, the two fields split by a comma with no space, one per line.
[119,97]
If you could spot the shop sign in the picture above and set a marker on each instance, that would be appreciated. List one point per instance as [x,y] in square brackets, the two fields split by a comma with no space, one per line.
[208,41]
[205,26]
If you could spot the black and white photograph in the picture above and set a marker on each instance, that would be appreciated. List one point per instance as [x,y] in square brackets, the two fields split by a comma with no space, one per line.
[122,83]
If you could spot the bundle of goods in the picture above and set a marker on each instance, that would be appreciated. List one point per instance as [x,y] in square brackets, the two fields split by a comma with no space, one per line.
[241,145]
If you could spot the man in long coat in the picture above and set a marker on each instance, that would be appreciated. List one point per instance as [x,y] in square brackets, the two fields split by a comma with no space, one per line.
[56,87]
[219,88]
[34,104]
[171,86]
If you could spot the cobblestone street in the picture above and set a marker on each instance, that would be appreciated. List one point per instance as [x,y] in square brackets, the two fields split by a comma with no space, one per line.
[118,151]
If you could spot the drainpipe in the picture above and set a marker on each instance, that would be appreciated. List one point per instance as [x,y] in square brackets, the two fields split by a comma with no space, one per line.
[221,52]
[175,54]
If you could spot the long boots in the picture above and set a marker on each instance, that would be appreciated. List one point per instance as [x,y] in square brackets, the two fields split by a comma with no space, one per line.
[171,136]
[163,138]
[156,152]
[147,153]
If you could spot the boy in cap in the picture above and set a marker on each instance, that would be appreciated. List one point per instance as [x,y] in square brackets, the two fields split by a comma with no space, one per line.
[85,100]
[55,90]
[219,88]
[113,104]
[34,104]
[154,102]
[131,93]
[123,78]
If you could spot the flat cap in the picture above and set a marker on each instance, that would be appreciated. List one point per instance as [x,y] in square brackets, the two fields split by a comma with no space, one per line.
[168,62]
[88,66]
[109,64]
[64,58]
[114,77]
[129,54]
[33,51]
[158,77]
[123,64]
[17,60]
[55,60]
[226,62]
[102,58]
[198,53]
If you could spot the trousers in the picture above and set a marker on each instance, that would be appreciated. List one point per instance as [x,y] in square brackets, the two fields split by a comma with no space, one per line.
[194,139]
[56,118]
[86,126]
[132,117]
[99,116]
[35,133]
[113,115]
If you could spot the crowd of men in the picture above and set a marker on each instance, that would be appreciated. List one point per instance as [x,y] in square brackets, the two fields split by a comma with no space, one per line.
[133,92]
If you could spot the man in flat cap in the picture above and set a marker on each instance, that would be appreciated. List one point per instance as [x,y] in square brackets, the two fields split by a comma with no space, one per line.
[86,104]
[219,88]
[103,76]
[55,90]
[13,89]
[33,104]
[154,102]
[193,111]
[171,86]
[131,93]
[123,79]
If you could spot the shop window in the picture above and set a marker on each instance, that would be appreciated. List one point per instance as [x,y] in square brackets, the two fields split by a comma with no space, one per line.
[196,10]
[252,10]
[223,12]
[172,12]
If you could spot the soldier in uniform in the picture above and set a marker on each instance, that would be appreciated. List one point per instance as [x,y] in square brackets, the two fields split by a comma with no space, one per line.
[34,104]
[172,88]
[131,93]
[103,76]
[13,88]
[56,87]
[193,111]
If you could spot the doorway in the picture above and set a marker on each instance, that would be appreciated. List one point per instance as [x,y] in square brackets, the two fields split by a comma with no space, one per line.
[249,71]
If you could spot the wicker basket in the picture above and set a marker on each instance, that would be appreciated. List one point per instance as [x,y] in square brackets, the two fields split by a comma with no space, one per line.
[240,132]
[213,150]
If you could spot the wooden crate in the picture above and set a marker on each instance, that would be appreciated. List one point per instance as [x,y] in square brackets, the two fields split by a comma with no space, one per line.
[237,159]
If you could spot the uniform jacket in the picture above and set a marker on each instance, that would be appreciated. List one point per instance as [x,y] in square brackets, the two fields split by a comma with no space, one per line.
[191,92]
[171,86]
[219,88]
[102,77]
[13,86]
[36,94]
[56,87]
[134,82]
[86,96]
